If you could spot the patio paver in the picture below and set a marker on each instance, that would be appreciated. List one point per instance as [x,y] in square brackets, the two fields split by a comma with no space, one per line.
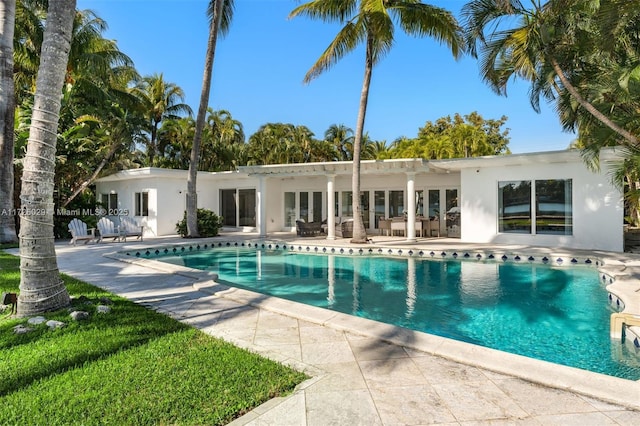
[358,379]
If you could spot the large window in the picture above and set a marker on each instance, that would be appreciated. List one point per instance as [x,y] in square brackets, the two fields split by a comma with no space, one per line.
[514,206]
[142,203]
[553,207]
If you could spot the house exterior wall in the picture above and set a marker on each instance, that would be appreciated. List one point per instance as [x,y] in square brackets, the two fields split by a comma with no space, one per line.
[597,206]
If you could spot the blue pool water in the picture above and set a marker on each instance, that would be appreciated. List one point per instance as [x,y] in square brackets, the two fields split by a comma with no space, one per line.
[557,314]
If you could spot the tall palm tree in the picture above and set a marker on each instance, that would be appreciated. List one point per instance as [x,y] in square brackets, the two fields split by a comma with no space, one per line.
[41,288]
[220,13]
[372,22]
[550,44]
[162,101]
[7,111]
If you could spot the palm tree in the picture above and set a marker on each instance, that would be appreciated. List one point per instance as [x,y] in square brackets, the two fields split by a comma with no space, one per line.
[341,137]
[551,45]
[372,22]
[7,112]
[162,101]
[220,13]
[41,288]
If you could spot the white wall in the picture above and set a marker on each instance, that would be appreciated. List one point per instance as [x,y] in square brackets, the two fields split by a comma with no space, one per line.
[597,206]
[126,201]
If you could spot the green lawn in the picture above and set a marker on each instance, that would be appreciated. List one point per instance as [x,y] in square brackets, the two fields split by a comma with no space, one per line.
[132,366]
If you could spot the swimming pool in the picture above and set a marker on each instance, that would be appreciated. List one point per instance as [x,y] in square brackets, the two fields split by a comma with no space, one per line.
[558,314]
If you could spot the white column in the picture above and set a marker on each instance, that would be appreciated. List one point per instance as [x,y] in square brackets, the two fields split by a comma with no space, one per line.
[262,206]
[331,201]
[411,207]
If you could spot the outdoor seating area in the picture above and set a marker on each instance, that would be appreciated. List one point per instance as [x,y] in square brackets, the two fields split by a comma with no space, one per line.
[116,228]
[397,226]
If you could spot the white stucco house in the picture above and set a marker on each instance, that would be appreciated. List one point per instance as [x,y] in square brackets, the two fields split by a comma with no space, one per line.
[547,199]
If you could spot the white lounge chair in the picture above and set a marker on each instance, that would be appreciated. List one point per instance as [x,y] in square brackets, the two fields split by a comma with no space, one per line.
[108,229]
[130,228]
[79,232]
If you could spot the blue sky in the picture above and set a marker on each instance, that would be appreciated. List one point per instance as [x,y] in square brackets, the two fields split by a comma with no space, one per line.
[260,64]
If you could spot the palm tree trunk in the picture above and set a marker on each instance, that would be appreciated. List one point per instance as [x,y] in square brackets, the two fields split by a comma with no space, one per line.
[192,195]
[7,111]
[94,175]
[359,233]
[591,109]
[41,288]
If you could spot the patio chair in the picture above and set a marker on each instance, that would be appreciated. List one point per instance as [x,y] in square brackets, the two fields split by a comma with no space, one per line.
[107,229]
[344,229]
[384,226]
[130,228]
[79,232]
[308,229]
[398,224]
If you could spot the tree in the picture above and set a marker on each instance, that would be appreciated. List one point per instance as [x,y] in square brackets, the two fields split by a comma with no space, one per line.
[341,137]
[7,111]
[217,9]
[41,288]
[282,143]
[372,22]
[558,46]
[162,101]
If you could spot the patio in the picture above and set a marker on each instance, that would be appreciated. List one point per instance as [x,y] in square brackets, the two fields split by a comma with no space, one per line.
[363,372]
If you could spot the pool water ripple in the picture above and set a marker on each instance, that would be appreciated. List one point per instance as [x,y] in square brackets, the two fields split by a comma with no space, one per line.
[554,313]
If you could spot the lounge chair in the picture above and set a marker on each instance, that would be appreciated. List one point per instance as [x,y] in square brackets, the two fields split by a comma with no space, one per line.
[80,232]
[130,228]
[108,229]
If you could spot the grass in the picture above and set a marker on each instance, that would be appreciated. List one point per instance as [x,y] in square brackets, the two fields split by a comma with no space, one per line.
[132,366]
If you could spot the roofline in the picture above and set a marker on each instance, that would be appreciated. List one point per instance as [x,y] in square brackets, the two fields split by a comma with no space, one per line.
[406,165]
[158,172]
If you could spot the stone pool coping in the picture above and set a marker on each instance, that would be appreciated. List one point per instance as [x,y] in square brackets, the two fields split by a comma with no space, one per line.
[622,273]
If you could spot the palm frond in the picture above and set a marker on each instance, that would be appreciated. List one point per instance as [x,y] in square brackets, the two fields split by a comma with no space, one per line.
[346,41]
[326,10]
[227,15]
[420,20]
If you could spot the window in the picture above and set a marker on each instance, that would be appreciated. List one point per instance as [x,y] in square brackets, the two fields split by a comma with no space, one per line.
[142,203]
[109,201]
[553,207]
[514,206]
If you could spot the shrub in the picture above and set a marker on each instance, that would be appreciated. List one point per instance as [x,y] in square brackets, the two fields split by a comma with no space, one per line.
[209,224]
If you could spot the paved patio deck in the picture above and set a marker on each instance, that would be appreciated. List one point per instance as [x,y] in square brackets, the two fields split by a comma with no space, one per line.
[363,373]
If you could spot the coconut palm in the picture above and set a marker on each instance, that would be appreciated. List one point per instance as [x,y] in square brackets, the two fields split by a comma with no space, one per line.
[162,101]
[41,288]
[220,13]
[372,22]
[341,137]
[7,112]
